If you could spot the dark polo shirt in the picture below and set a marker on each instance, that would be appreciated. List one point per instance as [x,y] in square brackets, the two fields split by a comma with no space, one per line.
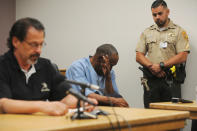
[41,85]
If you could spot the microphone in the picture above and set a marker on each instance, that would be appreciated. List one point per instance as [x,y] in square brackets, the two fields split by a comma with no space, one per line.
[83,85]
[59,78]
[79,96]
[62,82]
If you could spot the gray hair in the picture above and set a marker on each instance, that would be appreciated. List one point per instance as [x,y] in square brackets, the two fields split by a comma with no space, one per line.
[106,49]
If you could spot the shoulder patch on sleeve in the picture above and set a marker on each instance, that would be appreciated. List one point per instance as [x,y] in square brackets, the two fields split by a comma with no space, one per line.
[185,36]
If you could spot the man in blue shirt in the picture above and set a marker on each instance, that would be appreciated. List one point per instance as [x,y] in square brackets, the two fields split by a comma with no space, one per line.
[98,70]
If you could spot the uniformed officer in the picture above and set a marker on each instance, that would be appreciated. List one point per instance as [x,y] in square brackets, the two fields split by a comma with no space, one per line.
[161,46]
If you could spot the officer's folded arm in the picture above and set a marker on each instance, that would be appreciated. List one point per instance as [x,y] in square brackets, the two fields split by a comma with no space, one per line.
[177,59]
[140,58]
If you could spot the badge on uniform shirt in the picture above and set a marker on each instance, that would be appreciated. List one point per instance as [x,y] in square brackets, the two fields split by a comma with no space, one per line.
[171,35]
[163,44]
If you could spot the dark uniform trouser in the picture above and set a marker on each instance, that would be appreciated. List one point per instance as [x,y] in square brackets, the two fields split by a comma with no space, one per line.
[194,125]
[160,91]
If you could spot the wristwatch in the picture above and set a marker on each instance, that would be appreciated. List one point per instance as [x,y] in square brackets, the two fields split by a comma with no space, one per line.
[162,66]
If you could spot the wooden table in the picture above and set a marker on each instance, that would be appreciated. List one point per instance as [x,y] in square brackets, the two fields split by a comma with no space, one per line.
[191,107]
[140,120]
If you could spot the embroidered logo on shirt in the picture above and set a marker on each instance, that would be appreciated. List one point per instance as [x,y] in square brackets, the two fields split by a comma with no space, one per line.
[44,87]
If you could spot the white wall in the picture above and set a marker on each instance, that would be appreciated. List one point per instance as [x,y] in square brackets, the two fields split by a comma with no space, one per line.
[74,28]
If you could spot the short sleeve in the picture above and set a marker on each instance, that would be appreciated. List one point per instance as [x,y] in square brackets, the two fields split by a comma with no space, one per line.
[182,42]
[141,45]
[5,90]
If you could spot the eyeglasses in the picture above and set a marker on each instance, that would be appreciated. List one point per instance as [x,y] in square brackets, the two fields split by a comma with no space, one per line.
[36,45]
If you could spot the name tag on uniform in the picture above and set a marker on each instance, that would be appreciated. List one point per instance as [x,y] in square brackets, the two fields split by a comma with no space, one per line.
[163,44]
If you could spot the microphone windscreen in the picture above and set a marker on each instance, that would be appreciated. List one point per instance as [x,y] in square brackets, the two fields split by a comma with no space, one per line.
[64,84]
[79,96]
[58,78]
[58,87]
[60,82]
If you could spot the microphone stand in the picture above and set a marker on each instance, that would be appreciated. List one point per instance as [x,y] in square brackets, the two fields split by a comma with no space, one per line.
[81,114]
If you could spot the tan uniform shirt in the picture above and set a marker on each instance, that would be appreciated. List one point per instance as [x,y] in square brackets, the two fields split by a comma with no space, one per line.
[161,44]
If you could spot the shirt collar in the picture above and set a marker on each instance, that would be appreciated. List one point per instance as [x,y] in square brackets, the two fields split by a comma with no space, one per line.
[170,25]
[29,73]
